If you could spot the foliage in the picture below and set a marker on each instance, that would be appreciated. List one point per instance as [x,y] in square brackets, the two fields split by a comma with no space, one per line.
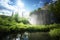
[23,20]
[20,19]
[55,32]
[8,23]
[11,26]
[55,8]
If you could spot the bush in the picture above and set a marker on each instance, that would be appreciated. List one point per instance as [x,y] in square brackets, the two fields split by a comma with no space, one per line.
[54,32]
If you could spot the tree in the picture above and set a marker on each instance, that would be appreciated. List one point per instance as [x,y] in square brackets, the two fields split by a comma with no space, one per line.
[20,19]
[16,17]
[55,8]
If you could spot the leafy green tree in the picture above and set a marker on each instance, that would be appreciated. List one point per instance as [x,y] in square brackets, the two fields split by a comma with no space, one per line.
[55,8]
[16,17]
[20,19]
[24,21]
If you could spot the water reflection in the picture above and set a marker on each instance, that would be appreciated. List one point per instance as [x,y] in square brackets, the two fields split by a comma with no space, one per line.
[15,37]
[27,36]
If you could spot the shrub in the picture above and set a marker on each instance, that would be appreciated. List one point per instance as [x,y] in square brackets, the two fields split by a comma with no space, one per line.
[54,32]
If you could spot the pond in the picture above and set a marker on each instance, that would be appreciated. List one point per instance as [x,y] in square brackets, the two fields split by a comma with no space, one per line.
[26,36]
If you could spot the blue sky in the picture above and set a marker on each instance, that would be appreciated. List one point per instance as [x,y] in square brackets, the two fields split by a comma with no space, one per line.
[21,5]
[34,4]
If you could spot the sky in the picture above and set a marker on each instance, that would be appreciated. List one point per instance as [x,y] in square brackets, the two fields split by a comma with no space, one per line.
[21,6]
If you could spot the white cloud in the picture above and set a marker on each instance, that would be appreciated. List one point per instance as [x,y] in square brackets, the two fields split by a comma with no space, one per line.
[6,5]
[18,7]
[40,2]
[5,12]
[20,4]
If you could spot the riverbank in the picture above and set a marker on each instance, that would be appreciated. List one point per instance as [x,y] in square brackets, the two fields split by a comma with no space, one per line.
[53,30]
[21,28]
[28,28]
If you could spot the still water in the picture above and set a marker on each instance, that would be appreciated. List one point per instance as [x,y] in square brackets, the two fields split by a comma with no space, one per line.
[14,36]
[26,36]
